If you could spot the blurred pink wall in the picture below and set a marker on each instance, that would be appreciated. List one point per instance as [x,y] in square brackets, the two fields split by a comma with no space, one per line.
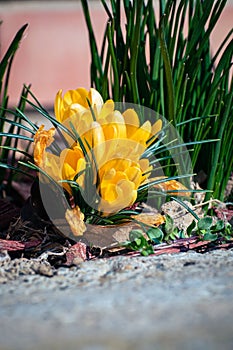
[55,51]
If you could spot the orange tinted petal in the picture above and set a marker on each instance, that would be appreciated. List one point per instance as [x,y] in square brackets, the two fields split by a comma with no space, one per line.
[169,185]
[42,139]
[75,219]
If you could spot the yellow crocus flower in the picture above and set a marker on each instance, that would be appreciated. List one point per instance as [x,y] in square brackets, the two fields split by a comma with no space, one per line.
[72,162]
[115,140]
[76,102]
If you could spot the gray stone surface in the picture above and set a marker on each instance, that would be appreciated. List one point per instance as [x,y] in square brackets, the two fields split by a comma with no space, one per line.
[180,301]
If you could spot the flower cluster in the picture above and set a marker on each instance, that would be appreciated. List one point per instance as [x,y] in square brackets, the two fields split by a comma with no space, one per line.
[98,136]
[104,164]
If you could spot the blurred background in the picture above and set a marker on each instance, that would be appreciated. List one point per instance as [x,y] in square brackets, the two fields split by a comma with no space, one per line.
[54,53]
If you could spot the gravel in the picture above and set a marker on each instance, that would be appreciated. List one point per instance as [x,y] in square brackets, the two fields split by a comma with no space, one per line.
[179,301]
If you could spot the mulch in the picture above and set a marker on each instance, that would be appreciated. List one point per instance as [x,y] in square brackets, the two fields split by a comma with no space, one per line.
[32,236]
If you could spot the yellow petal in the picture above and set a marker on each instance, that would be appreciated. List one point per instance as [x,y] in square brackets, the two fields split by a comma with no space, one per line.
[107,108]
[108,193]
[82,96]
[109,169]
[119,175]
[129,149]
[52,166]
[42,139]
[131,121]
[58,106]
[78,96]
[75,219]
[169,185]
[122,196]
[95,135]
[68,173]
[115,118]
[144,164]
[72,162]
[134,174]
[143,133]
[156,127]
[148,219]
[74,101]
[94,139]
[71,156]
[75,108]
[96,100]
[146,169]
[110,131]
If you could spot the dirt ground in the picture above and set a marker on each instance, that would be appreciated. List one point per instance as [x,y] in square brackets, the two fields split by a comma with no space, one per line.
[171,301]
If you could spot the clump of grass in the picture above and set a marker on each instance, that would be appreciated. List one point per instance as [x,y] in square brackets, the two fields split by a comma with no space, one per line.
[150,60]
[11,122]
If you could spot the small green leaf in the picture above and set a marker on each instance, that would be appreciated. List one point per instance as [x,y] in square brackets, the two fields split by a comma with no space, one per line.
[155,234]
[174,234]
[210,236]
[191,227]
[168,227]
[138,241]
[147,250]
[182,234]
[145,253]
[204,223]
[134,234]
[218,226]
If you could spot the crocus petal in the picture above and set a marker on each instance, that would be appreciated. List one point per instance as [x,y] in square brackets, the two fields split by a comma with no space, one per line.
[96,100]
[71,156]
[42,139]
[52,166]
[96,140]
[131,121]
[124,195]
[129,149]
[148,219]
[115,118]
[75,219]
[76,108]
[82,96]
[146,168]
[169,185]
[107,108]
[78,96]
[109,192]
[58,106]
[143,133]
[156,128]
[134,174]
[72,163]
